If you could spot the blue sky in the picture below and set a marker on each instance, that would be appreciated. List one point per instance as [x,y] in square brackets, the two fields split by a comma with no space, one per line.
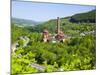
[45,11]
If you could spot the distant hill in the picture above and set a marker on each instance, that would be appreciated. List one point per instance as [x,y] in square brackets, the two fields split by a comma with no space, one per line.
[67,22]
[24,22]
[84,17]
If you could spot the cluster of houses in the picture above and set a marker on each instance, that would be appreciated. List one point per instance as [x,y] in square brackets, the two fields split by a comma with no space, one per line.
[60,37]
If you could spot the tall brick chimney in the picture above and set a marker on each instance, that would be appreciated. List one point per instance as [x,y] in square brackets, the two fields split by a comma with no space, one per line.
[58,25]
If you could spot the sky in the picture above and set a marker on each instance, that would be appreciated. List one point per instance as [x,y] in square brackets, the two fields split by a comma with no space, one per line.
[45,11]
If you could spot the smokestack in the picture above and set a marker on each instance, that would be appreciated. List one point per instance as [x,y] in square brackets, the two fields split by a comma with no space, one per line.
[58,25]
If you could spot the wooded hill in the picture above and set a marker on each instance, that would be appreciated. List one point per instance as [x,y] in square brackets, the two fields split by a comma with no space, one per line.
[89,17]
[24,22]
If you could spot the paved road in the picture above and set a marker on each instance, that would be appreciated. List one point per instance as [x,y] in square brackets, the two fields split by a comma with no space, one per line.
[37,66]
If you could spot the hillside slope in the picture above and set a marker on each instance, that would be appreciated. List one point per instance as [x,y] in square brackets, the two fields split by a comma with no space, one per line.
[84,17]
[24,22]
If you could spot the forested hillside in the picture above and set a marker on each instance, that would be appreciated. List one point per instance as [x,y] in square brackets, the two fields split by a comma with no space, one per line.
[17,31]
[24,22]
[29,54]
[89,17]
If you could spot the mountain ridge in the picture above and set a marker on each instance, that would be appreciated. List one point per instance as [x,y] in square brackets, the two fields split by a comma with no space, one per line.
[24,22]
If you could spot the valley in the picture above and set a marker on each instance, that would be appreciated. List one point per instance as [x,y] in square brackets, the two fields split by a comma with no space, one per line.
[30,54]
